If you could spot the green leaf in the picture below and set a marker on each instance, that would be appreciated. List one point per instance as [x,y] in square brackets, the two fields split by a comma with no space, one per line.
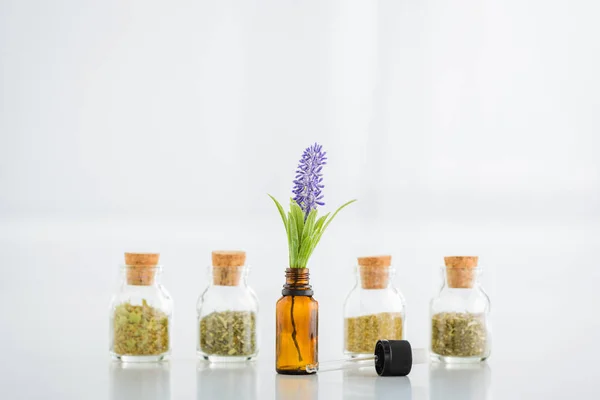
[320,222]
[308,248]
[335,213]
[294,241]
[299,218]
[303,235]
[305,252]
[308,226]
[307,235]
[285,223]
[281,212]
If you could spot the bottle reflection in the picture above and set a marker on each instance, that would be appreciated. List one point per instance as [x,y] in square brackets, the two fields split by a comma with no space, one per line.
[460,381]
[365,383]
[297,387]
[226,381]
[143,381]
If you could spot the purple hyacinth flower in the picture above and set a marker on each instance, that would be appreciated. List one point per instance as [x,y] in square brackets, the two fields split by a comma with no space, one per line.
[308,182]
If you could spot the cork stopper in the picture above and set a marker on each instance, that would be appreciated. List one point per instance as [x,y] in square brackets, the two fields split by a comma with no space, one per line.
[141,268]
[227,267]
[374,271]
[461,271]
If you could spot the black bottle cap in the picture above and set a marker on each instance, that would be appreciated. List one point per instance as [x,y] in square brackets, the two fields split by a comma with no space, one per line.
[393,357]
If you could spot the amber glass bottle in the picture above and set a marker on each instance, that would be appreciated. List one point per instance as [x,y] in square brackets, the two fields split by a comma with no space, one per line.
[297,319]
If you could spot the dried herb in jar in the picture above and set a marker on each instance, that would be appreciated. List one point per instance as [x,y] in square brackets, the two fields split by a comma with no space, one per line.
[458,334]
[228,333]
[363,332]
[140,330]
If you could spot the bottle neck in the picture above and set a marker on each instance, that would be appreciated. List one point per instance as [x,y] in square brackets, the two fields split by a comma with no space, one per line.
[297,282]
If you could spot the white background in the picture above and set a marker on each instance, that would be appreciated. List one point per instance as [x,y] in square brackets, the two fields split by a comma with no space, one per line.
[466,127]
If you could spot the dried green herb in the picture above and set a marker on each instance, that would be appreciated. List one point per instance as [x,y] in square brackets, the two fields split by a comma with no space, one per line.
[458,334]
[363,332]
[140,330]
[228,333]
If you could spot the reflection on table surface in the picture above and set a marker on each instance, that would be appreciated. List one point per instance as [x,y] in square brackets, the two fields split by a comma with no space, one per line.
[460,381]
[246,381]
[226,381]
[143,381]
[296,387]
[364,383]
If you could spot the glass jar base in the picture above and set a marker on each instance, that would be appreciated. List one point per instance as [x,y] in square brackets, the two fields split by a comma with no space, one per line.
[139,359]
[225,359]
[457,360]
[293,371]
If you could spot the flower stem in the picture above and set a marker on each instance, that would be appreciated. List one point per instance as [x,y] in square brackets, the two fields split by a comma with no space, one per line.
[294,331]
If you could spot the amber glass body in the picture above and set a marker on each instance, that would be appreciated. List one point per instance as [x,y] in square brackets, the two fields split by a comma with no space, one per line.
[297,324]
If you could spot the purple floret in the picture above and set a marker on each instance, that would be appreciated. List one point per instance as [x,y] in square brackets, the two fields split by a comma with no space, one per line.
[308,182]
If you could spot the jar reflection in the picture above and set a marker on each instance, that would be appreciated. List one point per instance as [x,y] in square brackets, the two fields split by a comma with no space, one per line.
[226,381]
[364,383]
[132,381]
[460,381]
[290,387]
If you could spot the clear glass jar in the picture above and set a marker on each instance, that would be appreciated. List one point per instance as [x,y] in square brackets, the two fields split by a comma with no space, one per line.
[227,311]
[374,308]
[140,312]
[460,323]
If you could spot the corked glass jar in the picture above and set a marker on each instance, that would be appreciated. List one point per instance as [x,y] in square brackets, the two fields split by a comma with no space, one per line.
[227,311]
[460,323]
[140,312]
[297,325]
[374,308]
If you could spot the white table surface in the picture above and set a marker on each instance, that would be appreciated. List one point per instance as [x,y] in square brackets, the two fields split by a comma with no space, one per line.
[58,277]
[85,378]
